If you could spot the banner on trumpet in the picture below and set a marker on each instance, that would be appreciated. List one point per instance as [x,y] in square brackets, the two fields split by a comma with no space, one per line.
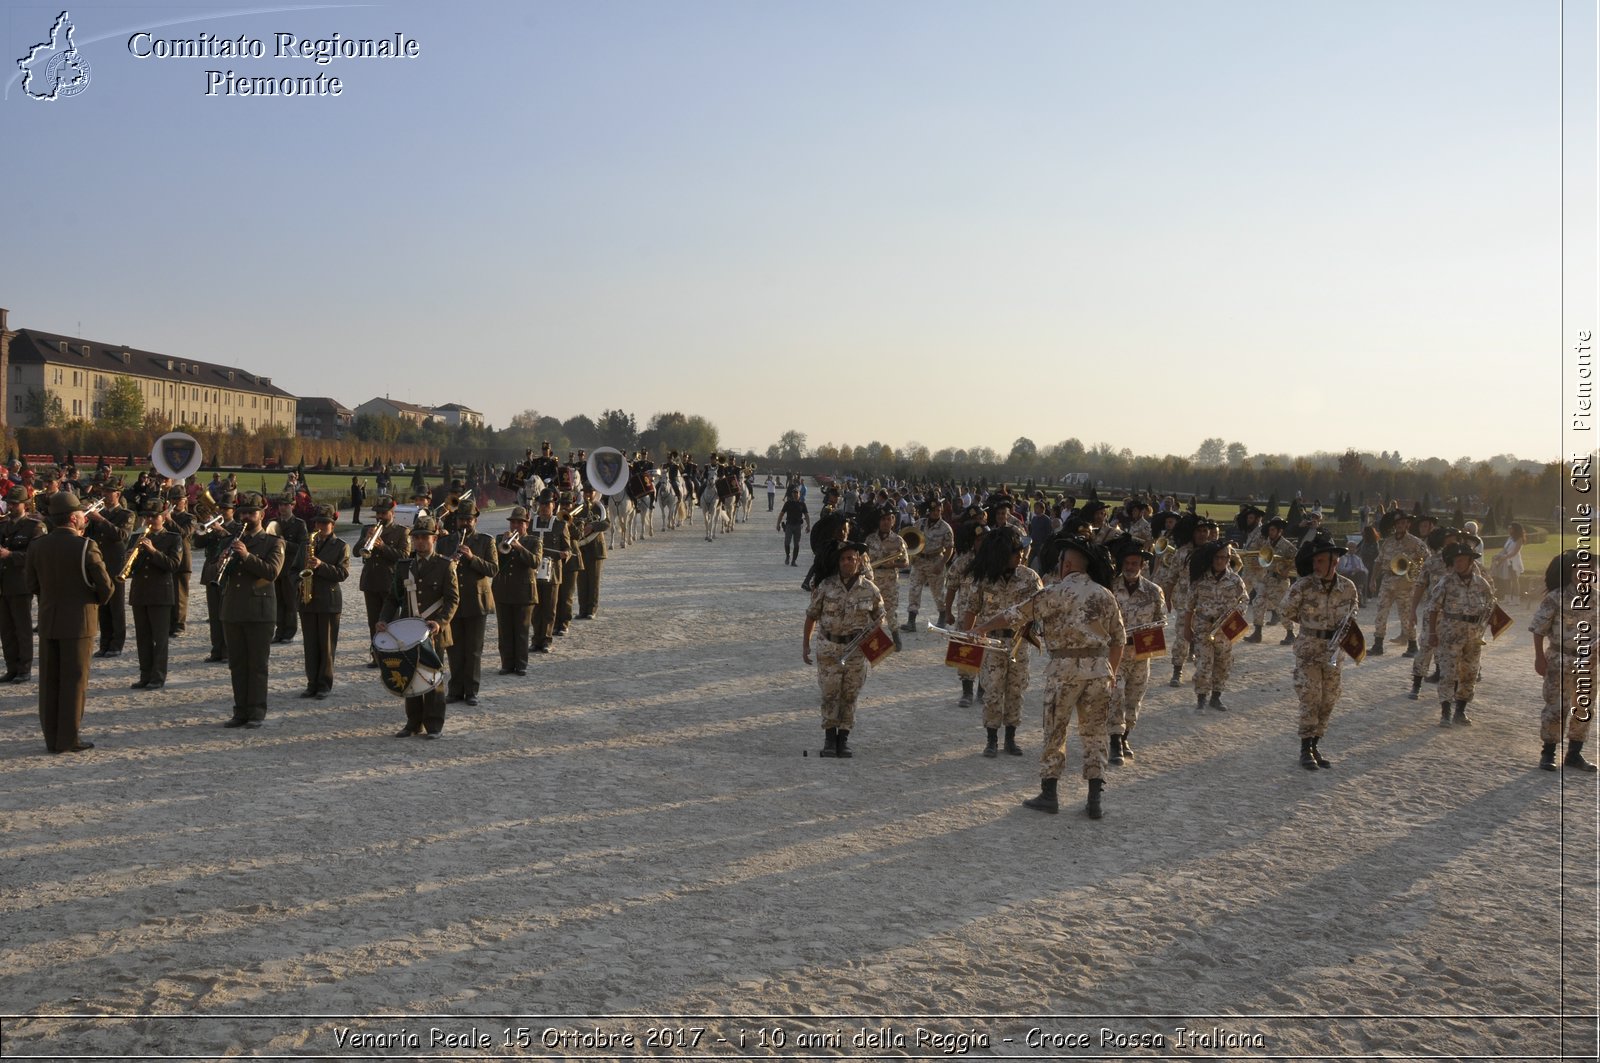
[1149,642]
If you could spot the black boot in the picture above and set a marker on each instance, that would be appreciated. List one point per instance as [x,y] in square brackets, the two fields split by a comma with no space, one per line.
[1254,636]
[1444,714]
[1287,640]
[1377,647]
[1316,754]
[830,742]
[1011,740]
[1114,750]
[1575,757]
[966,694]
[1177,677]
[992,749]
[1093,807]
[1046,801]
[1216,701]
[896,634]
[1416,687]
[1461,715]
[1127,750]
[1411,648]
[1547,757]
[1307,761]
[911,622]
[1199,703]
[1434,678]
[844,748]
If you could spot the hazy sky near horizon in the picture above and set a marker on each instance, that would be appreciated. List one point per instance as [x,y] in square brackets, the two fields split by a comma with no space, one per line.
[1299,226]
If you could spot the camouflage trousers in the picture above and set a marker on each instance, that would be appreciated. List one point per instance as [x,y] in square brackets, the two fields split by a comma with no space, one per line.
[1316,684]
[1128,694]
[1460,646]
[1395,594]
[889,586]
[930,576]
[1560,699]
[1213,660]
[1269,594]
[1425,649]
[840,683]
[1090,698]
[1003,686]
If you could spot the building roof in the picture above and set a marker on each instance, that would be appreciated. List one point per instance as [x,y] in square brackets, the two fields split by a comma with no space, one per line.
[458,408]
[32,345]
[323,404]
[402,407]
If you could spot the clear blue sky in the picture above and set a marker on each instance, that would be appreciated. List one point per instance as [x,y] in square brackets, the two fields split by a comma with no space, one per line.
[1299,226]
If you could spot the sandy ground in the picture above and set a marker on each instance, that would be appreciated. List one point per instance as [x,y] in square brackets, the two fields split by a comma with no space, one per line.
[626,853]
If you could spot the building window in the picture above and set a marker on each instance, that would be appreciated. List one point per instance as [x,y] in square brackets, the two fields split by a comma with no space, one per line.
[77,407]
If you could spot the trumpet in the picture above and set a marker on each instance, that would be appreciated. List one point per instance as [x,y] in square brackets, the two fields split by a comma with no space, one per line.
[371,540]
[915,542]
[1409,567]
[1162,547]
[308,574]
[210,525]
[1265,555]
[969,638]
[507,541]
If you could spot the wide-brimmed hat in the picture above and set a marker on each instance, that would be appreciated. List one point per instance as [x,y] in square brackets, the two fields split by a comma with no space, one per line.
[63,503]
[518,513]
[424,525]
[1455,550]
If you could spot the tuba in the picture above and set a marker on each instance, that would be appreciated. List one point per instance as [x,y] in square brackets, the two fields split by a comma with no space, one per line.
[915,541]
[1264,555]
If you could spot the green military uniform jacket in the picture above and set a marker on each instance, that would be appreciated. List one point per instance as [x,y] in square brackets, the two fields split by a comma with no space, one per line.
[378,567]
[326,594]
[67,573]
[249,593]
[436,582]
[150,582]
[18,535]
[475,576]
[515,582]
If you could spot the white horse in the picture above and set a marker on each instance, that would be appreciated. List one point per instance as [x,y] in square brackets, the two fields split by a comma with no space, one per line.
[711,508]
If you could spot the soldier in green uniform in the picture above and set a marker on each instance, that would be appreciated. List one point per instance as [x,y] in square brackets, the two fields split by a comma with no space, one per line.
[249,611]
[552,531]
[66,573]
[430,581]
[213,542]
[182,522]
[390,543]
[112,530]
[571,571]
[328,561]
[477,564]
[591,524]
[18,531]
[516,591]
[296,536]
[151,591]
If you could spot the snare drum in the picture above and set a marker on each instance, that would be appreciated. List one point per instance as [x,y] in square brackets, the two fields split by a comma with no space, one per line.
[408,663]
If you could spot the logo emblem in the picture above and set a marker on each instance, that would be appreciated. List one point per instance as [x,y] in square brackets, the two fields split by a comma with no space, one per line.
[55,69]
[176,455]
[608,472]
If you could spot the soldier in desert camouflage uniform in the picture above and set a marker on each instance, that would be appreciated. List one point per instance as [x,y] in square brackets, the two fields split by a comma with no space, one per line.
[1272,582]
[843,605]
[1458,606]
[1142,605]
[1395,527]
[1319,601]
[886,552]
[1215,591]
[927,569]
[1566,612]
[1000,581]
[1432,569]
[1083,633]
[958,588]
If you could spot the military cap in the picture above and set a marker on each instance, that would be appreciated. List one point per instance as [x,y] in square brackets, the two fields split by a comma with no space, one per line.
[153,506]
[63,503]
[285,499]
[17,494]
[1277,522]
[250,502]
[229,500]
[383,505]
[425,495]
[424,526]
[518,513]
[549,494]
[175,493]
[1455,550]
[325,515]
[848,545]
[1092,506]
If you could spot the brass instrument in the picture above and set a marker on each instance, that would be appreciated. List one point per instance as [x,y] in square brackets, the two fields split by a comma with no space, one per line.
[1265,555]
[969,638]
[1409,567]
[133,552]
[94,507]
[210,525]
[915,542]
[371,540]
[1162,547]
[1338,634]
[308,573]
[507,541]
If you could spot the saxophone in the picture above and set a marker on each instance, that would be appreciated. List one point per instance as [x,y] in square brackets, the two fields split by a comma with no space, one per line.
[307,573]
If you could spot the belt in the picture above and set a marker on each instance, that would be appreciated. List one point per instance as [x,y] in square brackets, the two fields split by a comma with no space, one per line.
[1317,633]
[1077,653]
[1463,617]
[842,639]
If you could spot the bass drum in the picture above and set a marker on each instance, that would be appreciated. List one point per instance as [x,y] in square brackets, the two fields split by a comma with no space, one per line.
[408,663]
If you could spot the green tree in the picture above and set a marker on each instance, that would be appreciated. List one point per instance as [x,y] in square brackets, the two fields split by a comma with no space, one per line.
[792,445]
[617,429]
[1210,454]
[124,404]
[1023,450]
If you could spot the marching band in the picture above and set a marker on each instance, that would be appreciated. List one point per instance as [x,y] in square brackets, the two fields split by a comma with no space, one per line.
[1093,592]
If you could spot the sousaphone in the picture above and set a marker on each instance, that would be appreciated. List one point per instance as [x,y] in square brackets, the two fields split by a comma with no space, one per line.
[608,471]
[176,456]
